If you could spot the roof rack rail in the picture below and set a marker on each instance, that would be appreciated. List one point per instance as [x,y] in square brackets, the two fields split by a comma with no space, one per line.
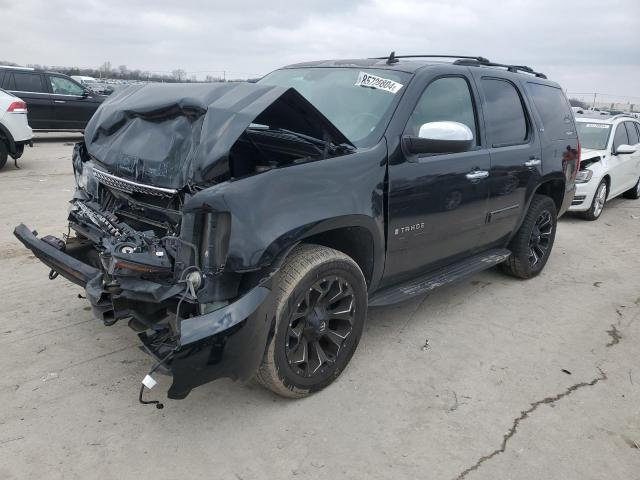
[510,68]
[393,58]
[466,60]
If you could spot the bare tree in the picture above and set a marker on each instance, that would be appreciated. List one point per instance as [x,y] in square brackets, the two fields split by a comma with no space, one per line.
[178,74]
[105,69]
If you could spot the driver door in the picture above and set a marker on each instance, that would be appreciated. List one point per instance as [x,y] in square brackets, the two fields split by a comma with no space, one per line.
[72,107]
[437,202]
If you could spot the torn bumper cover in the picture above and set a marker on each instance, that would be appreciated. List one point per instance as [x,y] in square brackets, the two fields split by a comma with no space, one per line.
[227,342]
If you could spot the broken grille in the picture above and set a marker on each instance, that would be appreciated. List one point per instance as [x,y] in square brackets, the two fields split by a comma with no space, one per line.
[131,187]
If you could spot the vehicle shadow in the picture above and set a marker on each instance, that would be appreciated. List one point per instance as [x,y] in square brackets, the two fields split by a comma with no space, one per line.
[57,137]
[388,325]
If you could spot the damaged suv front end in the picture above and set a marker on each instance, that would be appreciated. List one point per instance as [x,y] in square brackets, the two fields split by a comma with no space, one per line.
[151,220]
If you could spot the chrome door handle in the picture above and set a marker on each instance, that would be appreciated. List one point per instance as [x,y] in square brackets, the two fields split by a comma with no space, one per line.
[477,175]
[533,162]
[59,101]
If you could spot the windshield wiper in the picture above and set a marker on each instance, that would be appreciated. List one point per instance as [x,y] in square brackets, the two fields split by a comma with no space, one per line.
[326,145]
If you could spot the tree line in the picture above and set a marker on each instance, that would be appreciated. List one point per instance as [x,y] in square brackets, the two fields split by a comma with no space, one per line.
[122,72]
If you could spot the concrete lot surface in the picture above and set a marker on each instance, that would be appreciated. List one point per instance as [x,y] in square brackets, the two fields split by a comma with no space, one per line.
[492,378]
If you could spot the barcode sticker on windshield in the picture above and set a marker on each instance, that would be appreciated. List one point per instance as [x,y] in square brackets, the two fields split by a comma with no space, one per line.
[379,83]
[597,125]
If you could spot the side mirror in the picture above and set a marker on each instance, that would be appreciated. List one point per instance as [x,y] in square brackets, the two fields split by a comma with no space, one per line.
[440,137]
[625,149]
[85,93]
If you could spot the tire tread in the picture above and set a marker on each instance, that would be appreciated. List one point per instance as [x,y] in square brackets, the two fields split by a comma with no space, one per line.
[302,260]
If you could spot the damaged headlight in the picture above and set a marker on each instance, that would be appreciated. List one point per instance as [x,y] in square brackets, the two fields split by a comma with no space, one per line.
[82,176]
[215,240]
[584,176]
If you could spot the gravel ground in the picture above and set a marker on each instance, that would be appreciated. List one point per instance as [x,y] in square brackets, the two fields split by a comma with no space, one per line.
[492,378]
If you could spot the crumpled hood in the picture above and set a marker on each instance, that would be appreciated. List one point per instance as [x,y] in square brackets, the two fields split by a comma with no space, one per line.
[587,153]
[170,135]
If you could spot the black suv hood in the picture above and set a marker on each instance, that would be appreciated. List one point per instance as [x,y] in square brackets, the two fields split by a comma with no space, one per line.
[171,135]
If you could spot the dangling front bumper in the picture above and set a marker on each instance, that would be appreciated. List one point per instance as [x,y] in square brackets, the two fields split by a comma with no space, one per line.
[227,342]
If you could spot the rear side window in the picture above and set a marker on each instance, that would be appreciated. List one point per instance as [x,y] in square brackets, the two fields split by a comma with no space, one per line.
[553,108]
[620,137]
[28,82]
[632,133]
[505,118]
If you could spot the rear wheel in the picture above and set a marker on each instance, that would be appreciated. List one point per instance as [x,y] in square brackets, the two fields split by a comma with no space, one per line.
[633,193]
[4,152]
[532,244]
[320,312]
[597,204]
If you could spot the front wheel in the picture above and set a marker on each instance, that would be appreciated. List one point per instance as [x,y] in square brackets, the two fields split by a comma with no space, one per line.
[532,244]
[597,204]
[321,307]
[633,193]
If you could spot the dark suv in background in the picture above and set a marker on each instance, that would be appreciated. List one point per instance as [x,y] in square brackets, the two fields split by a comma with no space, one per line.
[54,101]
[244,229]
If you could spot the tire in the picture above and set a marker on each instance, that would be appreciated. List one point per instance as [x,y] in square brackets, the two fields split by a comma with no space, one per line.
[309,271]
[532,244]
[597,204]
[4,153]
[633,193]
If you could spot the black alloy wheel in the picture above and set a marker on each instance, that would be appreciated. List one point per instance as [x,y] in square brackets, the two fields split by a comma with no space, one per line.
[319,326]
[532,243]
[540,239]
[321,306]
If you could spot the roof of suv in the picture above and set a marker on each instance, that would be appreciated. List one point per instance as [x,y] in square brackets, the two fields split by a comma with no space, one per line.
[413,63]
[606,120]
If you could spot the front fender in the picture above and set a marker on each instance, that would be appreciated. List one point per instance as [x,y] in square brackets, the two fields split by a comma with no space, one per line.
[273,210]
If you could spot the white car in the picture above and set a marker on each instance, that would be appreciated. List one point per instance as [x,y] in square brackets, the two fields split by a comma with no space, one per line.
[609,162]
[15,131]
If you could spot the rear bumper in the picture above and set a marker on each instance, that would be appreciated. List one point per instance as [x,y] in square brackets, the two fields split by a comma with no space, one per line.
[568,199]
[228,342]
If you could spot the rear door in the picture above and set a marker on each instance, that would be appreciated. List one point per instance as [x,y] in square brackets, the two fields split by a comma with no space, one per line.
[514,149]
[30,87]
[72,107]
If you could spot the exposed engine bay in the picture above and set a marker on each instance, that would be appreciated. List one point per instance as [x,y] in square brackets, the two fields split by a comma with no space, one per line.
[143,246]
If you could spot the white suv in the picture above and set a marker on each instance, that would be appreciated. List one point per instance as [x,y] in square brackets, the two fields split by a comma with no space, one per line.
[15,131]
[609,162]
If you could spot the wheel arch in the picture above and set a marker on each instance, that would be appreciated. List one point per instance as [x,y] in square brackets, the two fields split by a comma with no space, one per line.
[6,134]
[353,235]
[553,188]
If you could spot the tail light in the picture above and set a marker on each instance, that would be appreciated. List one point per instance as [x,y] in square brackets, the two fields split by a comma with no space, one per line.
[17,107]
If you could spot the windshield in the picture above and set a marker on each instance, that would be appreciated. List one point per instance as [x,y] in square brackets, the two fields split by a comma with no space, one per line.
[593,135]
[358,102]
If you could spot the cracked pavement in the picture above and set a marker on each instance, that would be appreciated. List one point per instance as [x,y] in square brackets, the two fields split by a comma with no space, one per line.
[492,378]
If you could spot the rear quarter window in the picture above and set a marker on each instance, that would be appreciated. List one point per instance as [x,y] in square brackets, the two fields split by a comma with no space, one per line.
[553,109]
[28,82]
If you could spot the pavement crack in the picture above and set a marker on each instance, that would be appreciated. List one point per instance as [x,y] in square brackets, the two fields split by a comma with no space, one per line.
[615,335]
[524,415]
[413,314]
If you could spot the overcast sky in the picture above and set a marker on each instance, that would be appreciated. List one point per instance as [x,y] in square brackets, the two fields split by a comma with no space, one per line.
[585,45]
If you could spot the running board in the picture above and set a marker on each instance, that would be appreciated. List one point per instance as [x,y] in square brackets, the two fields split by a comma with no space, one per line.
[438,278]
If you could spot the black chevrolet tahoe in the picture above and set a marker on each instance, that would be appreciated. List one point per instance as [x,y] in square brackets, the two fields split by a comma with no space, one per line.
[243,229]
